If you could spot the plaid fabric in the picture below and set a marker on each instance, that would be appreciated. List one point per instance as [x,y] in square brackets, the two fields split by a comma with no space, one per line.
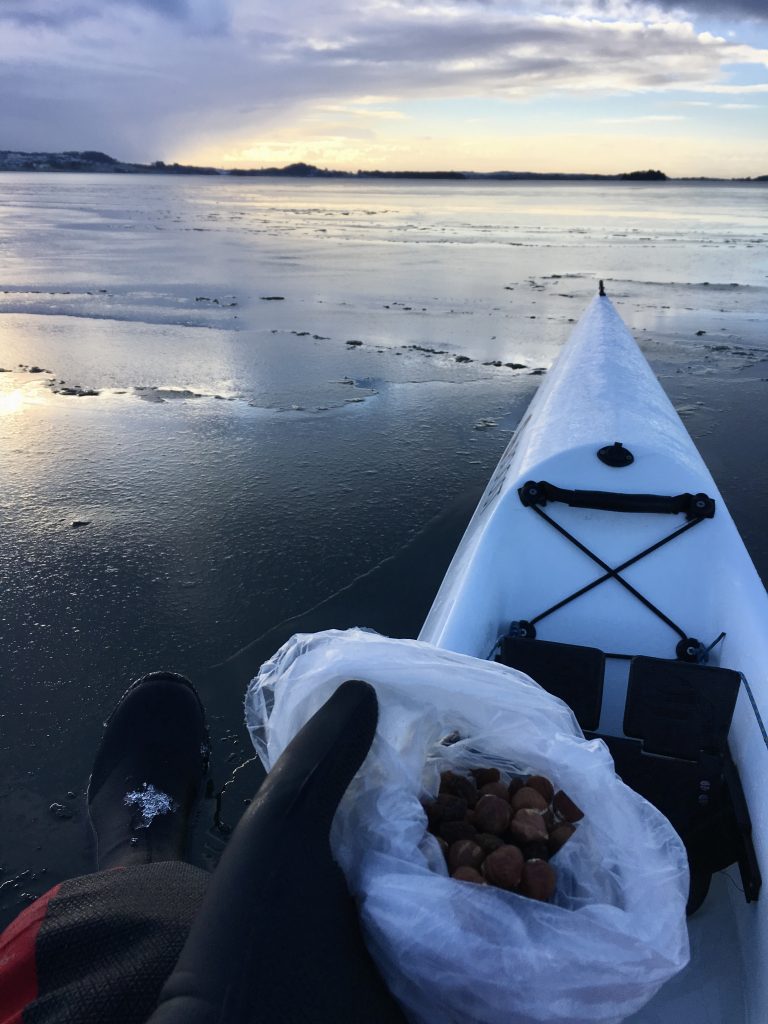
[99,948]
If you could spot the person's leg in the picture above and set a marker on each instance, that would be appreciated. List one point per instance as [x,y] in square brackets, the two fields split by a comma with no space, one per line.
[99,948]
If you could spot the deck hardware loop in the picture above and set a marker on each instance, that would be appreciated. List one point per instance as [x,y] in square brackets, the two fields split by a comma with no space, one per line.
[695,506]
[522,628]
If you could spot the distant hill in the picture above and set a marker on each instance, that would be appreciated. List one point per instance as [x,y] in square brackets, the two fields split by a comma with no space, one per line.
[95,162]
[91,162]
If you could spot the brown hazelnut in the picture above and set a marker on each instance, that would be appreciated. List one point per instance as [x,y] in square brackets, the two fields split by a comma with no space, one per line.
[452,831]
[566,808]
[504,867]
[452,808]
[492,814]
[483,776]
[465,854]
[542,785]
[538,850]
[515,783]
[459,785]
[487,842]
[495,789]
[559,836]
[434,814]
[465,874]
[527,826]
[527,797]
[538,880]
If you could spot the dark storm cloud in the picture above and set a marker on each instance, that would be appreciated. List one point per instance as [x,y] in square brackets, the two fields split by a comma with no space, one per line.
[60,14]
[173,8]
[723,10]
[32,14]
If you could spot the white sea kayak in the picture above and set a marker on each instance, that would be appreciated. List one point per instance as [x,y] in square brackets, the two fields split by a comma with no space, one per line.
[603,562]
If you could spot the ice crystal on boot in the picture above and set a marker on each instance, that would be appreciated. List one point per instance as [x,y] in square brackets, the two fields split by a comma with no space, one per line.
[150,802]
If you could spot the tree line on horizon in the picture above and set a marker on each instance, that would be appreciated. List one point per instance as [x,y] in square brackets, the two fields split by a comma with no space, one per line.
[94,161]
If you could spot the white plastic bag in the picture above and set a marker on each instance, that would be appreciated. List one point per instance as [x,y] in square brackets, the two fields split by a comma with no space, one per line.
[456,952]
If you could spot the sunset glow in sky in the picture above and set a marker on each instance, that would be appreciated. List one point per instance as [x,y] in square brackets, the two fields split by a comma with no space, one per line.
[561,85]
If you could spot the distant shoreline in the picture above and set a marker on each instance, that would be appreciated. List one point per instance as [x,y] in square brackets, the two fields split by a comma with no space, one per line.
[94,162]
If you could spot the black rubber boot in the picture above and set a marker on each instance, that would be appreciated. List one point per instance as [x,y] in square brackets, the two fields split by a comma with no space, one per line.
[148,773]
[277,939]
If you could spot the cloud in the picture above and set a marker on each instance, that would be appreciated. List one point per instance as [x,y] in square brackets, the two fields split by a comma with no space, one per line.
[61,14]
[723,10]
[355,111]
[461,55]
[36,13]
[642,119]
[153,78]
[721,106]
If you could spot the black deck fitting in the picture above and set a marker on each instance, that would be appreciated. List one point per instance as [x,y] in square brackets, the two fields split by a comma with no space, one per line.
[601,289]
[616,455]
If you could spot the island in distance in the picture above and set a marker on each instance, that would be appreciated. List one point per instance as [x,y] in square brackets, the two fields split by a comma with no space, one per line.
[95,162]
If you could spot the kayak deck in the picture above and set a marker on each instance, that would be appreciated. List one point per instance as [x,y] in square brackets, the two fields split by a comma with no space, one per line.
[516,567]
[511,565]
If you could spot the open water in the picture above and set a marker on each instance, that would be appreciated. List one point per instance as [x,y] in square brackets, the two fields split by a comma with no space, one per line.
[271,405]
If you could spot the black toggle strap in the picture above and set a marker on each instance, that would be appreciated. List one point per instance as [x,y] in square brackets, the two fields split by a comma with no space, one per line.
[695,506]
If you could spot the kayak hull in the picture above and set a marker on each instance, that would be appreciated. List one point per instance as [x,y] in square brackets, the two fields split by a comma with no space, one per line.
[512,566]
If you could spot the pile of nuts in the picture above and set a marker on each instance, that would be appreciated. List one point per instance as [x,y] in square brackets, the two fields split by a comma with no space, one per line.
[502,833]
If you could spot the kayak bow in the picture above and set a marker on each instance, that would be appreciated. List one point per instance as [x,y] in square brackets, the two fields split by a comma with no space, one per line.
[602,561]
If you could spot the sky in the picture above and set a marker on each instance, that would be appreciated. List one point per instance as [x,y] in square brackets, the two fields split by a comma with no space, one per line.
[589,86]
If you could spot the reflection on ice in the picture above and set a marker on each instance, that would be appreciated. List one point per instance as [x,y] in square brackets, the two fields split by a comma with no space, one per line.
[11,401]
[274,463]
[18,393]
